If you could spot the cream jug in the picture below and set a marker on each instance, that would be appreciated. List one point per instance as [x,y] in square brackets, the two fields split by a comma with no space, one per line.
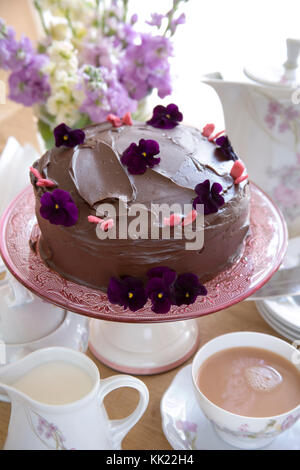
[67,423]
[262,119]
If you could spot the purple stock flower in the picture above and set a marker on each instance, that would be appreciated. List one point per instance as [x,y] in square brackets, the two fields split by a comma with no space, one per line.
[159,292]
[162,272]
[224,143]
[209,197]
[145,66]
[138,157]
[59,208]
[165,117]
[14,54]
[68,137]
[156,20]
[177,21]
[134,18]
[21,53]
[7,44]
[128,292]
[29,85]
[104,94]
[187,288]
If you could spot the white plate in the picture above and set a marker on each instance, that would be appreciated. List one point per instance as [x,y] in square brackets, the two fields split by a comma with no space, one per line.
[285,309]
[279,326]
[186,427]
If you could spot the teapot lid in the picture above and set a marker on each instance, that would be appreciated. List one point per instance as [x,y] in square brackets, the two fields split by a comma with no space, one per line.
[284,76]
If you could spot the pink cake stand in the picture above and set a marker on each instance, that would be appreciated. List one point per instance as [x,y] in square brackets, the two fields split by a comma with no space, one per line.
[144,342]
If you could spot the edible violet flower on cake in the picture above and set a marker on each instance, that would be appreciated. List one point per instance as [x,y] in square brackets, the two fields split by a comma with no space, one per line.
[138,157]
[128,292]
[162,272]
[68,137]
[159,292]
[225,145]
[187,288]
[209,196]
[165,117]
[59,208]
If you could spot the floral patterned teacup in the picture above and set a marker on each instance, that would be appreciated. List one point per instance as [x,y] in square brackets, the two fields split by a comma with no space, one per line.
[241,431]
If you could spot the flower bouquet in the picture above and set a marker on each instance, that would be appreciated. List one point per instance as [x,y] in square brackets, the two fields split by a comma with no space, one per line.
[92,61]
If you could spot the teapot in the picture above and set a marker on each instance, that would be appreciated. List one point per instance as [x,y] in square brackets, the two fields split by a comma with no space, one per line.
[262,120]
[68,424]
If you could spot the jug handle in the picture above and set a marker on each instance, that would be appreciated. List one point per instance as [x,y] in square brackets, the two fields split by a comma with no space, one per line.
[121,427]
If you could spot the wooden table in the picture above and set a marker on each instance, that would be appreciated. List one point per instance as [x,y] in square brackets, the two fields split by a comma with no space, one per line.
[147,434]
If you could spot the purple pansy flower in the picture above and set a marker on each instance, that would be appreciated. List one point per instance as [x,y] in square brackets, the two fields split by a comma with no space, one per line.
[138,157]
[208,196]
[159,292]
[162,272]
[165,117]
[224,143]
[68,137]
[187,288]
[128,292]
[59,208]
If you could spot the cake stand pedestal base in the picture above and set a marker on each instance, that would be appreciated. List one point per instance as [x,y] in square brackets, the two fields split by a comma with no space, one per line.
[144,348]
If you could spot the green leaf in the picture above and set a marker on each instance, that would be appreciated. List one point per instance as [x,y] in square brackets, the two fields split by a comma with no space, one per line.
[46,133]
[83,121]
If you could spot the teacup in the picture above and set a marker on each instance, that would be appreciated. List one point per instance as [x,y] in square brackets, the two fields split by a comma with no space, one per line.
[242,431]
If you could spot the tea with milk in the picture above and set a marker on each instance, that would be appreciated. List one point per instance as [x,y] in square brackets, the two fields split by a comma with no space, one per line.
[250,382]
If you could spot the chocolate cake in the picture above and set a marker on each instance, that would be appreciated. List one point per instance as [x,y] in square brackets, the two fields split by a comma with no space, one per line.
[97,171]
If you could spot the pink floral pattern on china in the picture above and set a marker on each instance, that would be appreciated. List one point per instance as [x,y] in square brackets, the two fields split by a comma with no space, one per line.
[282,117]
[47,432]
[272,429]
[263,253]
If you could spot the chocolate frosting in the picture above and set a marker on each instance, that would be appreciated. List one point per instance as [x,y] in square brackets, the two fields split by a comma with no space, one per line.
[93,173]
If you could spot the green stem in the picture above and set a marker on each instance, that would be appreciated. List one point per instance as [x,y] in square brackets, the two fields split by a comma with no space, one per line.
[70,23]
[170,16]
[125,10]
[40,13]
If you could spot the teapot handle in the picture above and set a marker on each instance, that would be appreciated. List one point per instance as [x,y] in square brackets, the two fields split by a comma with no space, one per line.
[120,427]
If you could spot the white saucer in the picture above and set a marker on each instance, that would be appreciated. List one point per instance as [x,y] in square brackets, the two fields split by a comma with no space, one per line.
[273,313]
[286,310]
[186,427]
[279,328]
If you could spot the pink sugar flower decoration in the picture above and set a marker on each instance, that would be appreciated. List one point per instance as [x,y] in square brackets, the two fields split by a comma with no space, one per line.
[104,224]
[118,122]
[189,219]
[41,182]
[94,220]
[114,120]
[174,219]
[127,119]
[237,171]
[208,130]
[107,225]
[214,137]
